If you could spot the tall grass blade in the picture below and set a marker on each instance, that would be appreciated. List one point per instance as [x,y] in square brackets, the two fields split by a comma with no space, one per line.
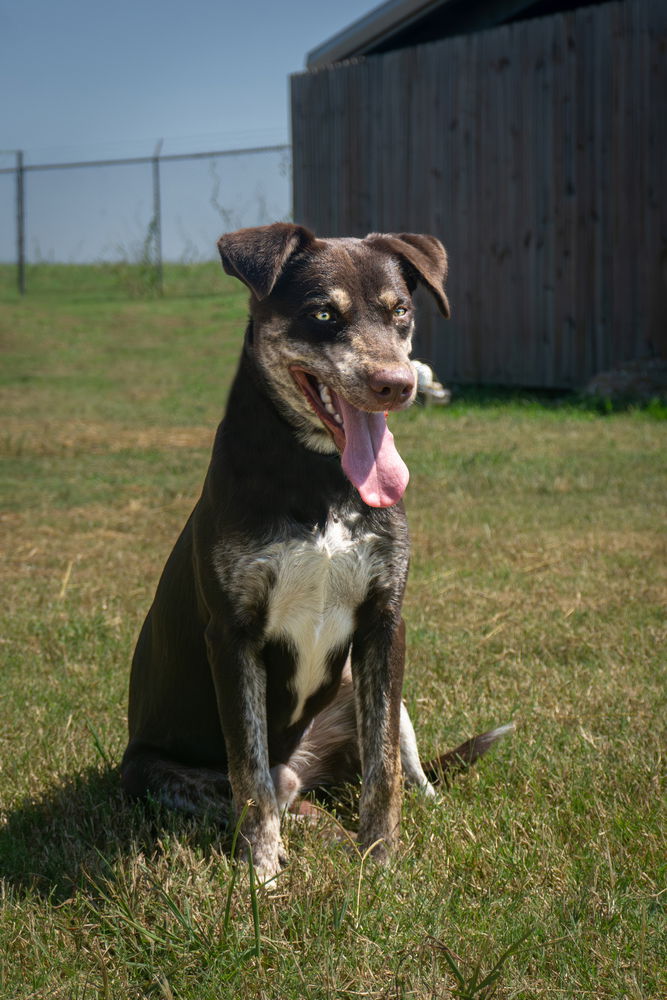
[254,905]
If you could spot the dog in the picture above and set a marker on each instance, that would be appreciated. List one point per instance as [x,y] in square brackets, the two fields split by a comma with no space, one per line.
[271,661]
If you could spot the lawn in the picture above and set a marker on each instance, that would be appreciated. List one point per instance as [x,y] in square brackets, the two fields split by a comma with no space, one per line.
[537,594]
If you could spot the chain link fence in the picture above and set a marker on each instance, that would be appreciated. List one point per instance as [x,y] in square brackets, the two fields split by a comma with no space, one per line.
[139,210]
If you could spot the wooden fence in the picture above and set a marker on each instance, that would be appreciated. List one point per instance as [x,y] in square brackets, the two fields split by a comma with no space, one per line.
[538,153]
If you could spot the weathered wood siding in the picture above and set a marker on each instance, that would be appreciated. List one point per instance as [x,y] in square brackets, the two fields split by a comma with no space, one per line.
[538,153]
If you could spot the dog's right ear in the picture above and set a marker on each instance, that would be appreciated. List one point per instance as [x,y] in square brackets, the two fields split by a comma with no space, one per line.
[258,255]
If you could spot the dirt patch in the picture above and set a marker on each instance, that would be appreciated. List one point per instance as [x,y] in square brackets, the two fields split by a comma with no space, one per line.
[41,438]
[95,551]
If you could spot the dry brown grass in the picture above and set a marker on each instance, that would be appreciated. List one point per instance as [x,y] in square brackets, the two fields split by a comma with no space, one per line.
[538,592]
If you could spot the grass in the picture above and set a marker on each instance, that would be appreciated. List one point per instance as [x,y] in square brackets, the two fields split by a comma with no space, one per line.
[537,593]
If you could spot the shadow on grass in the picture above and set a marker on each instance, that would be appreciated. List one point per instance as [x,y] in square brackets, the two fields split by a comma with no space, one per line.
[77,830]
[75,833]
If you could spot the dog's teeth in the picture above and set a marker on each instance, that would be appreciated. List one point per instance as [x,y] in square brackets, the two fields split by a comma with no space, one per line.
[327,402]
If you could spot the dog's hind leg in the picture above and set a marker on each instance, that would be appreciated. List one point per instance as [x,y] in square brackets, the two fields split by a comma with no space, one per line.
[329,752]
[328,755]
[193,790]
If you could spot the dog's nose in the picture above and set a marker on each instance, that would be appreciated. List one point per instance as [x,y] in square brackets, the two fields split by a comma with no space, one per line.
[392,386]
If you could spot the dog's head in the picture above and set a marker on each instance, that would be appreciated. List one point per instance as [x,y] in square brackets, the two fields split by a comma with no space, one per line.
[332,325]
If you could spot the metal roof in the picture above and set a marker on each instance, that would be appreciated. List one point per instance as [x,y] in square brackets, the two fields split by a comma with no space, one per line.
[399,23]
[376,26]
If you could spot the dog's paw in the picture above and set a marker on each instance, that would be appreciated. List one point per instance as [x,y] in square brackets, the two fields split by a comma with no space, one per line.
[267,861]
[287,785]
[378,849]
[267,872]
[377,842]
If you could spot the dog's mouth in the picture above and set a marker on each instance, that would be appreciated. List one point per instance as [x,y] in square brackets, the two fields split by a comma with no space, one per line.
[368,454]
[324,402]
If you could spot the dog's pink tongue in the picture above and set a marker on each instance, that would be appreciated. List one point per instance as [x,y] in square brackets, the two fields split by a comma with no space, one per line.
[370,460]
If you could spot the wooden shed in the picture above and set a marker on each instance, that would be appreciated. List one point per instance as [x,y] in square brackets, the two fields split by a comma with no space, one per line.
[532,139]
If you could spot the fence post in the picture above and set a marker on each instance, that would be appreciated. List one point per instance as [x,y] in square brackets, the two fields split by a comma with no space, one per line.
[20,222]
[157,217]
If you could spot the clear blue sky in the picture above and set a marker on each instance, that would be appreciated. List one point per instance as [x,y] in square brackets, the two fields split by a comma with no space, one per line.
[82,79]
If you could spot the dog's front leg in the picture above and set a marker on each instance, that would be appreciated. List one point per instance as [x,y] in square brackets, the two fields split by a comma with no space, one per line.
[240,682]
[378,656]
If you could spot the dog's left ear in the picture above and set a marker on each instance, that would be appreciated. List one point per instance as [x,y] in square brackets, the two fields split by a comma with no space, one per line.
[425,259]
[257,256]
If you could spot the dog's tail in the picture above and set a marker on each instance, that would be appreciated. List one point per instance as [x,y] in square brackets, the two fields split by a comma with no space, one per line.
[442,769]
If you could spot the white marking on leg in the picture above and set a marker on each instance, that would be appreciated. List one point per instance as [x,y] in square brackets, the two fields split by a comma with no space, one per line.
[413,772]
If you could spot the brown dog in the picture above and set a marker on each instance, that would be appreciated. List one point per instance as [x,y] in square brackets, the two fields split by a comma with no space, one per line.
[272,658]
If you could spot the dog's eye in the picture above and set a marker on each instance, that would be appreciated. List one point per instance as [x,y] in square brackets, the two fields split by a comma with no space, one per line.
[400,311]
[323,315]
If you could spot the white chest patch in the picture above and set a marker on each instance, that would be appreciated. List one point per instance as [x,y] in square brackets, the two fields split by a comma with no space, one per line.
[319,583]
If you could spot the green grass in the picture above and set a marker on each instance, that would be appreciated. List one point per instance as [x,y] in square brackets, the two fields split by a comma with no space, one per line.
[537,593]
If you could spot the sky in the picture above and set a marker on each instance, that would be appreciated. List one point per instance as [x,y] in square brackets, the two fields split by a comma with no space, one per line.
[85,80]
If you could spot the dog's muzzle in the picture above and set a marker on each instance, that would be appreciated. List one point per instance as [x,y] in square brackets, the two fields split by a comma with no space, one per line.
[368,453]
